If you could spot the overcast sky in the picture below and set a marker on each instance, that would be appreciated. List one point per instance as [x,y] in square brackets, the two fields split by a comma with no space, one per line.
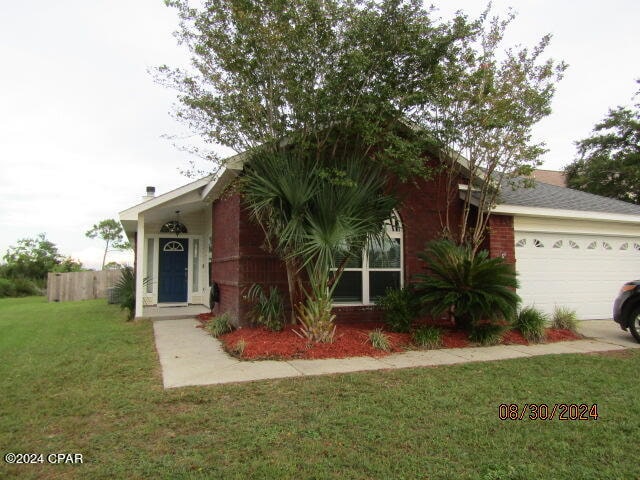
[81,120]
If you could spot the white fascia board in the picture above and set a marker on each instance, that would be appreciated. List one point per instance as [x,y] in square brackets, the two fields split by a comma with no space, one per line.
[129,227]
[569,214]
[214,187]
[133,212]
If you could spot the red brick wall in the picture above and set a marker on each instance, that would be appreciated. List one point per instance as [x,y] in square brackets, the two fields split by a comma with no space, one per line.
[225,258]
[239,259]
[422,215]
[500,238]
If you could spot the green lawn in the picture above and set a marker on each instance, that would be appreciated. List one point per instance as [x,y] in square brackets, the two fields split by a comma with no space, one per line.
[75,377]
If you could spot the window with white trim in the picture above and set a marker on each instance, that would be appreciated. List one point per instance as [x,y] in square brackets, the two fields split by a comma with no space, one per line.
[367,277]
[149,272]
[173,247]
[195,271]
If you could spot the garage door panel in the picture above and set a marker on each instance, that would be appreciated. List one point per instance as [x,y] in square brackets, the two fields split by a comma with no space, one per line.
[583,272]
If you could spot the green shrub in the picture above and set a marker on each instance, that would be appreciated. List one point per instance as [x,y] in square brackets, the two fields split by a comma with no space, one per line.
[25,287]
[487,333]
[267,309]
[427,337]
[125,291]
[400,308]
[220,325]
[379,340]
[564,318]
[7,288]
[18,287]
[476,287]
[531,322]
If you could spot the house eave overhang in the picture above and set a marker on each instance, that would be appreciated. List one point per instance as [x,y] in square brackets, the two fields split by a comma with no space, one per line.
[131,214]
[214,189]
[202,191]
[525,211]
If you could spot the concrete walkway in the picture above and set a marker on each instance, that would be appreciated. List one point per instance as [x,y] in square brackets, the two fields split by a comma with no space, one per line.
[190,356]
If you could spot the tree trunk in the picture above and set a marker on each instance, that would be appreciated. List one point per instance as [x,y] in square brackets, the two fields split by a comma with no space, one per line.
[293,281]
[104,257]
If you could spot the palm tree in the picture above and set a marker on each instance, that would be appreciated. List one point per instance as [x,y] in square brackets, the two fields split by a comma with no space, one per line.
[313,211]
[471,286]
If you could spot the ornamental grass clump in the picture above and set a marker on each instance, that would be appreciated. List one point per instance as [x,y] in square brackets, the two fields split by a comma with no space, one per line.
[532,322]
[427,337]
[220,325]
[238,348]
[564,318]
[267,308]
[379,340]
[487,333]
[471,286]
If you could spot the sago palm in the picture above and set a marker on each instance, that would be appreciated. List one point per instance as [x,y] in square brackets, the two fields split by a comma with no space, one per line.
[473,287]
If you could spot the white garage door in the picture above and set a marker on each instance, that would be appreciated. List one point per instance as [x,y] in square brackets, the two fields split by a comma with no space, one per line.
[583,272]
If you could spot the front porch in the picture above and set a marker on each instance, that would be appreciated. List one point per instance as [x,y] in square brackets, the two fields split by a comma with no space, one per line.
[166,313]
[172,238]
[172,234]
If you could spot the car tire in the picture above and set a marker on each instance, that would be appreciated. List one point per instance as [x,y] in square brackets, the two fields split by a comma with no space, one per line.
[634,323]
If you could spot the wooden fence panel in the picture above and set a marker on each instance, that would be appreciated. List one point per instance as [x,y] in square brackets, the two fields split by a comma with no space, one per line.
[72,286]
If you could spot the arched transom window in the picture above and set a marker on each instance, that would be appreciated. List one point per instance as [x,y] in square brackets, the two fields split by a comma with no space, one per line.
[368,276]
[173,247]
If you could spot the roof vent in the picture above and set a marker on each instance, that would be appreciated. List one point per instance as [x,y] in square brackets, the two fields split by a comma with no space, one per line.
[151,193]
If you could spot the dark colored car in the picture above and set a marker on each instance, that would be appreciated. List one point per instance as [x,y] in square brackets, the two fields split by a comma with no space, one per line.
[626,308]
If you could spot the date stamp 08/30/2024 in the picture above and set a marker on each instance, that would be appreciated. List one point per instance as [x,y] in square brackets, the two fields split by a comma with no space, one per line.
[544,411]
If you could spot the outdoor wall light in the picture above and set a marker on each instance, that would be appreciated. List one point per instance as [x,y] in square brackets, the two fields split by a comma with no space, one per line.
[174,226]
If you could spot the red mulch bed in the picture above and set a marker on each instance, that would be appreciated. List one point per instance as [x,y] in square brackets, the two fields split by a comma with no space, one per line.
[351,340]
[560,335]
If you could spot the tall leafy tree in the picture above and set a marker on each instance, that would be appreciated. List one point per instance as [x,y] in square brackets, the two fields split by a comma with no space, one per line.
[110,231]
[31,258]
[480,117]
[68,264]
[608,161]
[317,92]
[309,73]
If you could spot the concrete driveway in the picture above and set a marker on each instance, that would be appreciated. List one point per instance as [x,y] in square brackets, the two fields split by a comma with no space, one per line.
[607,331]
[190,356]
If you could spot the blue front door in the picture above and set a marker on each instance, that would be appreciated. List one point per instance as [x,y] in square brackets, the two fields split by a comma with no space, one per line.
[173,272]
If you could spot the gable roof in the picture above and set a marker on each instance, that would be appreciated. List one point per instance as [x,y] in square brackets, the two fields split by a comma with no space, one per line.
[204,189]
[131,213]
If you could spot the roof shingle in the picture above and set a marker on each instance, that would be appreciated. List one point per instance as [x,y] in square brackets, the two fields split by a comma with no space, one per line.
[544,195]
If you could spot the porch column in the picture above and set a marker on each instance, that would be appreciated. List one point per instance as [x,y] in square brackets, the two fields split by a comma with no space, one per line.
[140,257]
